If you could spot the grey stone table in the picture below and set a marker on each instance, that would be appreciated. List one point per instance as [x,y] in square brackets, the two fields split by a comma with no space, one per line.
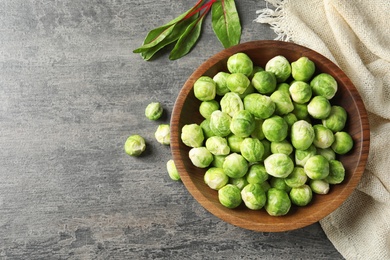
[71,91]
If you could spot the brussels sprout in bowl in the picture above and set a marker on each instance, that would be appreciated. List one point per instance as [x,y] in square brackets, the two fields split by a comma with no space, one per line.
[348,167]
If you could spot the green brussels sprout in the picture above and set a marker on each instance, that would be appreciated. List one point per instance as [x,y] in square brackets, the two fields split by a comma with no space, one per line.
[253,196]
[319,107]
[279,183]
[217,145]
[154,111]
[220,83]
[258,131]
[218,161]
[234,143]
[204,88]
[279,165]
[282,147]
[300,92]
[249,90]
[319,186]
[275,129]
[278,202]
[242,124]
[200,157]
[205,125]
[240,182]
[163,134]
[231,103]
[300,111]
[257,174]
[302,135]
[215,178]
[323,137]
[230,196]
[235,165]
[317,167]
[265,186]
[336,172]
[237,82]
[267,148]
[172,171]
[220,123]
[135,145]
[260,106]
[252,149]
[192,135]
[283,87]
[264,82]
[240,63]
[283,103]
[296,178]
[324,85]
[328,153]
[343,143]
[302,69]
[290,119]
[208,107]
[301,156]
[336,119]
[255,70]
[301,196]
[280,66]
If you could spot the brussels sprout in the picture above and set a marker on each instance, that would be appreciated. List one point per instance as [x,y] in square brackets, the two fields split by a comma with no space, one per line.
[283,103]
[220,123]
[235,165]
[280,66]
[239,182]
[255,70]
[242,124]
[249,90]
[237,82]
[279,165]
[323,137]
[278,202]
[282,147]
[283,87]
[172,171]
[240,63]
[258,131]
[275,129]
[204,88]
[264,82]
[290,119]
[343,143]
[231,103]
[267,148]
[163,134]
[319,186]
[336,119]
[301,196]
[154,111]
[296,178]
[135,145]
[302,135]
[234,143]
[230,196]
[300,111]
[317,167]
[279,183]
[217,145]
[257,174]
[200,157]
[218,161]
[252,149]
[301,156]
[220,83]
[319,107]
[260,106]
[208,107]
[336,172]
[205,125]
[192,135]
[302,69]
[328,153]
[324,85]
[300,92]
[215,178]
[265,186]
[253,196]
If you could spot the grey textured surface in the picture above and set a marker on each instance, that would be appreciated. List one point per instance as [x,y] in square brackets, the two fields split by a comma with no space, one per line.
[71,91]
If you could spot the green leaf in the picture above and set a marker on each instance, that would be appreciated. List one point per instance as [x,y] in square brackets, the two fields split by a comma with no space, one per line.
[226,22]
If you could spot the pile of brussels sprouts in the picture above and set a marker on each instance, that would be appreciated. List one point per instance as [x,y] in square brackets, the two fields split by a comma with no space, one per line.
[270,136]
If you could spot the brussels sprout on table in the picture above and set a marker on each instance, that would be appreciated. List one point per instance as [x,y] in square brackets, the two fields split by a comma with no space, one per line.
[135,145]
[163,134]
[154,111]
[172,171]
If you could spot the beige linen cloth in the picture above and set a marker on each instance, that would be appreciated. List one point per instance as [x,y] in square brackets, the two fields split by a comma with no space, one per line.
[355,34]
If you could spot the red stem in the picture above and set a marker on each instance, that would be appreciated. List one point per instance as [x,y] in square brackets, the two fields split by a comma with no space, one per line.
[206,6]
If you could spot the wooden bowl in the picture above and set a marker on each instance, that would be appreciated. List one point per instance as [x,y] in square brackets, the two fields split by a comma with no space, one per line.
[186,112]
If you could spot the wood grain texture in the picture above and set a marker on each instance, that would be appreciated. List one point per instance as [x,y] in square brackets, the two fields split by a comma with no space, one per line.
[186,112]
